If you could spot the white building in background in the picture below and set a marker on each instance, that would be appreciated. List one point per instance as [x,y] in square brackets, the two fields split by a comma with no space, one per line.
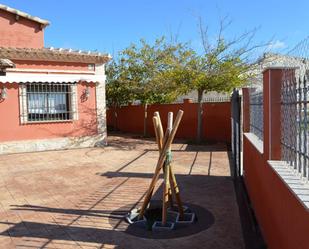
[276,61]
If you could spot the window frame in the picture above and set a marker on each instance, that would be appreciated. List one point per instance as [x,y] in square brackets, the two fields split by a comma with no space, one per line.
[48,89]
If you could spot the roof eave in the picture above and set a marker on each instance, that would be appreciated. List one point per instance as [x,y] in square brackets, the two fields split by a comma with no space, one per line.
[101,60]
[54,55]
[44,23]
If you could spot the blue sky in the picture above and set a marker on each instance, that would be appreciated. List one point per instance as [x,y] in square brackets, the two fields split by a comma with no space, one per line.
[110,26]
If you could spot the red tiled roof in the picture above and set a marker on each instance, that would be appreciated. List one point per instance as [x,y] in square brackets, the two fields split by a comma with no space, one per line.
[52,54]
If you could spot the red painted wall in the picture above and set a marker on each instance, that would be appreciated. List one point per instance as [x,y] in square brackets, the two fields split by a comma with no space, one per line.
[283,219]
[28,34]
[72,66]
[23,33]
[11,129]
[216,119]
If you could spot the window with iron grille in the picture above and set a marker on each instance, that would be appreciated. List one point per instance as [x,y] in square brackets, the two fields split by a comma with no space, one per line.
[49,102]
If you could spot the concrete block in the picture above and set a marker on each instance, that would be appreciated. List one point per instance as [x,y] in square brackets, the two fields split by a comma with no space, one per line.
[158,226]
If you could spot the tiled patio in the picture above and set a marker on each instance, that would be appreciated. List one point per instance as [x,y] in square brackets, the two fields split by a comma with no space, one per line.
[69,199]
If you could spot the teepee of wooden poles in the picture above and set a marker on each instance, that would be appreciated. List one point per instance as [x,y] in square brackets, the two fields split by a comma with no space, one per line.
[170,187]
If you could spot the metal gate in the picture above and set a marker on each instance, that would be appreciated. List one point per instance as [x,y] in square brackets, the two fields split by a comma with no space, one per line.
[236,132]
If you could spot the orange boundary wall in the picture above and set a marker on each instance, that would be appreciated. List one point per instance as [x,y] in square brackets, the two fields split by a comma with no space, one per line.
[283,219]
[216,119]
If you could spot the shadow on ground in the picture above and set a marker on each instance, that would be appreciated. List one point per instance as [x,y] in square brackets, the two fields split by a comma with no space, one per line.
[97,220]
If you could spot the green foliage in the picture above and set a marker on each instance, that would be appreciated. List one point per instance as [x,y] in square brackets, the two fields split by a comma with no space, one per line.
[149,73]
[216,70]
[117,92]
[159,73]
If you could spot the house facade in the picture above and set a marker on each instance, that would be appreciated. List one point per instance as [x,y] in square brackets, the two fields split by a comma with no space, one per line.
[49,98]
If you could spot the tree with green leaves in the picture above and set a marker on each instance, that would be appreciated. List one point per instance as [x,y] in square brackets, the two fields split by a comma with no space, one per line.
[146,71]
[118,92]
[223,65]
[160,72]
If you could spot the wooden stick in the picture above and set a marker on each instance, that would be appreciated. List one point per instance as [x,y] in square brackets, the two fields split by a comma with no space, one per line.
[161,162]
[170,121]
[166,187]
[173,183]
[169,126]
[160,130]
[153,182]
[175,188]
[159,138]
[173,193]
[161,134]
[156,128]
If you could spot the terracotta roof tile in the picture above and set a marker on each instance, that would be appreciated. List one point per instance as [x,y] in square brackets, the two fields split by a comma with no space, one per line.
[53,54]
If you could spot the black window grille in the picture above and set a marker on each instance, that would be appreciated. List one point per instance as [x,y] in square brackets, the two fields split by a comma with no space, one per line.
[49,102]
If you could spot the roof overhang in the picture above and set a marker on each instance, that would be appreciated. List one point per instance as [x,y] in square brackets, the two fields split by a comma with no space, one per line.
[25,15]
[52,54]
[20,78]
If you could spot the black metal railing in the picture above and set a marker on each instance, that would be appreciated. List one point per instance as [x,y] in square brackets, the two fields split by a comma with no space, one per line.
[256,113]
[294,121]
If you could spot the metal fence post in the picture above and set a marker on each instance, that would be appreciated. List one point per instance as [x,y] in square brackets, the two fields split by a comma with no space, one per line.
[246,109]
[236,131]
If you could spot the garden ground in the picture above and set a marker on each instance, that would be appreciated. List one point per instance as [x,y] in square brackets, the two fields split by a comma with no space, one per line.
[77,198]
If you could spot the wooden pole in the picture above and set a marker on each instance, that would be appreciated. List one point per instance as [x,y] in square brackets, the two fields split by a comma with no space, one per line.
[159,138]
[153,182]
[166,185]
[161,134]
[160,131]
[169,126]
[161,162]
[156,129]
[173,183]
[175,188]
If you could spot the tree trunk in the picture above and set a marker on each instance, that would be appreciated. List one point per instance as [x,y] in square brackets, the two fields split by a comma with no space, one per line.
[199,115]
[145,120]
